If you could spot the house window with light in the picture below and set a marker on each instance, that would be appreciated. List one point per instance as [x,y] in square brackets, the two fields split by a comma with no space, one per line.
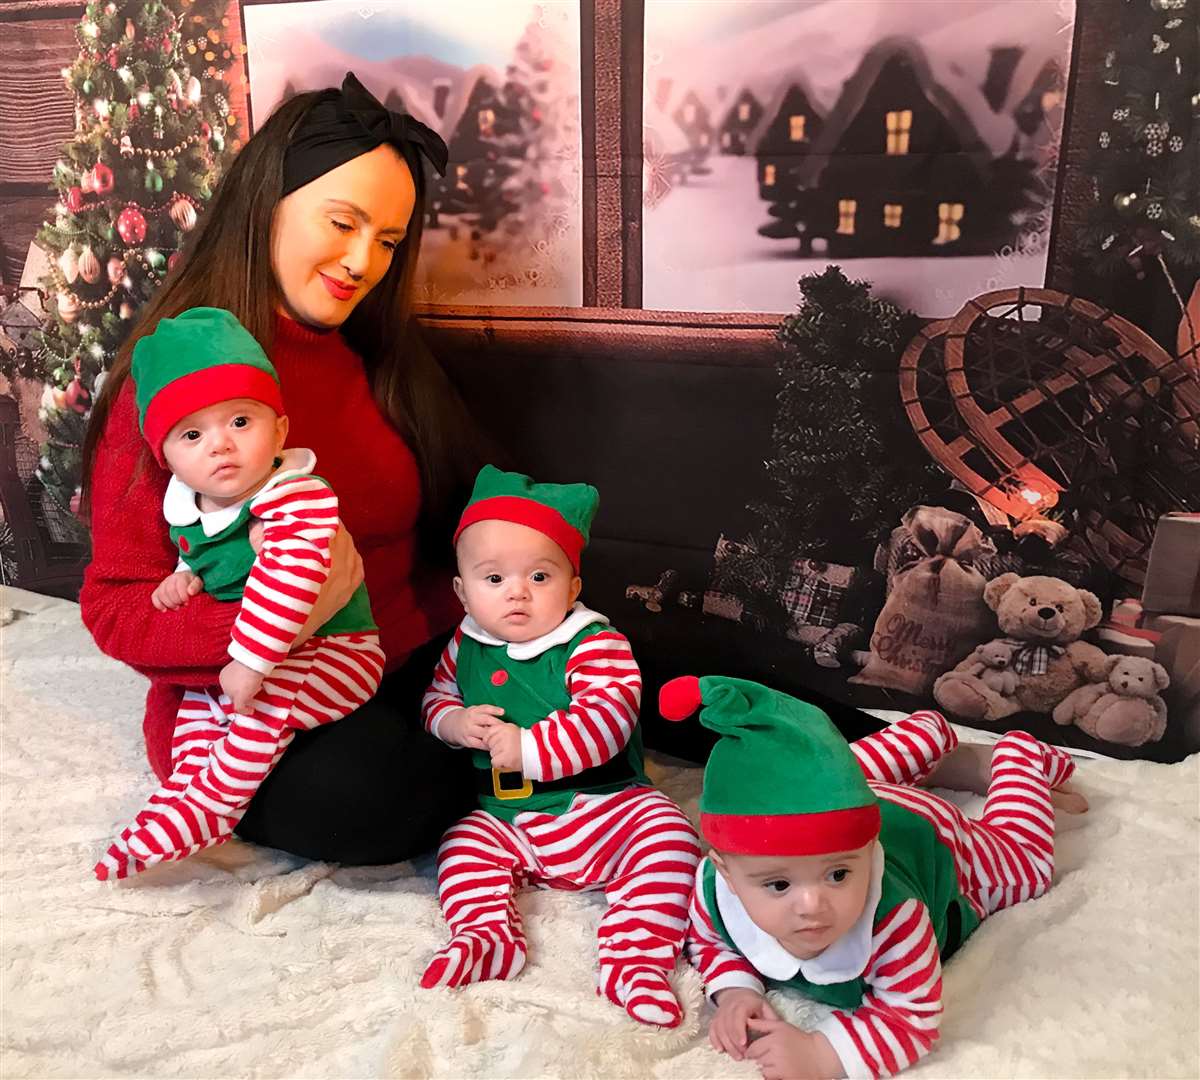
[846,209]
[460,177]
[744,111]
[949,215]
[487,119]
[704,138]
[899,124]
[796,127]
[769,175]
[891,215]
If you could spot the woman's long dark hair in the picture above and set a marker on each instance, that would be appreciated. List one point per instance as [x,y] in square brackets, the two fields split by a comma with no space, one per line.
[227,264]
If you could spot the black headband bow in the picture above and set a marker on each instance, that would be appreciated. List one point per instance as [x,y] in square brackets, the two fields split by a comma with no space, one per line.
[351,121]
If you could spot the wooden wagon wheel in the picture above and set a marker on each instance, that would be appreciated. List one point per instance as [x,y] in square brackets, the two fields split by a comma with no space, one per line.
[1053,394]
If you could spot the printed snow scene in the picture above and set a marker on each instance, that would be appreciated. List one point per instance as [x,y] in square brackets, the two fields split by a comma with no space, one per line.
[500,83]
[914,141]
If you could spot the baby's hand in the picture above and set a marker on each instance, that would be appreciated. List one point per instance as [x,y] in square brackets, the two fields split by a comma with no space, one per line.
[504,744]
[469,727]
[175,591]
[784,1052]
[241,683]
[735,1008]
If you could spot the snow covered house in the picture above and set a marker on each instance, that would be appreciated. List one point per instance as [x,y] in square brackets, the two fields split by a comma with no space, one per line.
[744,115]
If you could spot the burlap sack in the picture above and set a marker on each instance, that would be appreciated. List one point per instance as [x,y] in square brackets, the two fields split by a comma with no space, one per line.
[935,614]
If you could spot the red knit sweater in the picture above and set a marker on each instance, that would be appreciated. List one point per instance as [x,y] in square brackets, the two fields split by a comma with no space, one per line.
[332,412]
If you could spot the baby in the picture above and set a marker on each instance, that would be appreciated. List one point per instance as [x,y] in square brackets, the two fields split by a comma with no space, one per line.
[252,525]
[545,694]
[831,875]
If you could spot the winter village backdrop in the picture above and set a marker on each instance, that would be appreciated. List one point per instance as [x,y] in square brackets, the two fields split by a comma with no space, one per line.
[964,467]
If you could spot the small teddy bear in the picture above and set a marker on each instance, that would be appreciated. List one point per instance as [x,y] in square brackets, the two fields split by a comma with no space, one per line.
[1124,708]
[990,664]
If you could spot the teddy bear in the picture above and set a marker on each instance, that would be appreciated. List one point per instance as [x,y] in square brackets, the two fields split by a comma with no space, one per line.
[991,666]
[1042,618]
[1124,706]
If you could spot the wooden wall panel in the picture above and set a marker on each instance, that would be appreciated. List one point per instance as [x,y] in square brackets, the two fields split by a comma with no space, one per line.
[36,112]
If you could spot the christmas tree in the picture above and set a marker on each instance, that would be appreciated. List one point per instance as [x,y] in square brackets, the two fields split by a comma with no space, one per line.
[153,124]
[1146,162]
[846,463]
[542,92]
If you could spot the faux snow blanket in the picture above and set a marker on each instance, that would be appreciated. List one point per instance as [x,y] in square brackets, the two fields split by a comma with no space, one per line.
[245,962]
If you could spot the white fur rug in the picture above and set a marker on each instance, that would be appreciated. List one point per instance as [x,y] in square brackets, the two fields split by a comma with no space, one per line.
[247,963]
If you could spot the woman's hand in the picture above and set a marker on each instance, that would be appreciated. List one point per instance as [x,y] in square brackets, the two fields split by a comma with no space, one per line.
[345,575]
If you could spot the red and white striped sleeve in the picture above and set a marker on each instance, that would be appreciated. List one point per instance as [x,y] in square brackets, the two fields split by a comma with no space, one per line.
[605,685]
[299,517]
[906,751]
[443,695]
[897,1022]
[720,966]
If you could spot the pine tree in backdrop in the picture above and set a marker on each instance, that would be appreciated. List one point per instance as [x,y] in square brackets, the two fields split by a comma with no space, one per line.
[542,90]
[153,126]
[1146,163]
[846,463]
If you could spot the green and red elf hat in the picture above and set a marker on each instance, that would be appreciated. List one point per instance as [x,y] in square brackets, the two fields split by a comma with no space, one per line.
[562,512]
[781,780]
[199,358]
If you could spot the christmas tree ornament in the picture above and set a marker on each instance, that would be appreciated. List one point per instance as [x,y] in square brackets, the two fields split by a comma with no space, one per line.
[77,397]
[155,260]
[68,263]
[68,306]
[183,214]
[173,260]
[74,200]
[1126,203]
[126,310]
[89,266]
[126,146]
[193,90]
[102,178]
[86,184]
[130,30]
[126,76]
[154,180]
[131,225]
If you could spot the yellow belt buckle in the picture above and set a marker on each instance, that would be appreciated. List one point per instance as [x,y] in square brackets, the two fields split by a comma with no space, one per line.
[523,792]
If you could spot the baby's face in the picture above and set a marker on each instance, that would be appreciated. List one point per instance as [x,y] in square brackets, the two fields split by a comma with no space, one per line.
[805,902]
[514,581]
[226,451]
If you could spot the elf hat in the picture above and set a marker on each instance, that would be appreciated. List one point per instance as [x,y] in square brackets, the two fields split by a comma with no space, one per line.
[194,360]
[562,512]
[781,780]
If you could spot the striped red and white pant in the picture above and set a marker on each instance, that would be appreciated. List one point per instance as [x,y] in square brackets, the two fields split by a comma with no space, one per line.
[1005,856]
[634,844]
[219,757]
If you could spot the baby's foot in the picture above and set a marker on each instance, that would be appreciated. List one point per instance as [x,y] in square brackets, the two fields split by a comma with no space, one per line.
[968,767]
[474,956]
[645,993]
[1067,799]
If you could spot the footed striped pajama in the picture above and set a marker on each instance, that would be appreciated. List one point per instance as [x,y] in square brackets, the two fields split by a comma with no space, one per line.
[635,844]
[219,758]
[1001,859]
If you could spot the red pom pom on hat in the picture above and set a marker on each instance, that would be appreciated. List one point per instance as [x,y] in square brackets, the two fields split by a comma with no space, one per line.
[679,698]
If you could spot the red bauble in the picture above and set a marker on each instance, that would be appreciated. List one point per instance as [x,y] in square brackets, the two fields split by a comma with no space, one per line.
[131,225]
[134,111]
[113,57]
[74,200]
[172,259]
[77,397]
[102,179]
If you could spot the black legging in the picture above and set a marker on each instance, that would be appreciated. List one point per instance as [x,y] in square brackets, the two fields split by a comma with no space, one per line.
[371,788]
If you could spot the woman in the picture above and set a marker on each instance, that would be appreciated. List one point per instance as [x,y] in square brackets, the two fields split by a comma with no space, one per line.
[311,240]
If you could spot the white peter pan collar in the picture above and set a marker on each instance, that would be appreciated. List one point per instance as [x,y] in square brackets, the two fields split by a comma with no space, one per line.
[578,618]
[180,507]
[844,960]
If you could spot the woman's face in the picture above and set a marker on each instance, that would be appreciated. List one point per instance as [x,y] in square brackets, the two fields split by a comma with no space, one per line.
[333,239]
